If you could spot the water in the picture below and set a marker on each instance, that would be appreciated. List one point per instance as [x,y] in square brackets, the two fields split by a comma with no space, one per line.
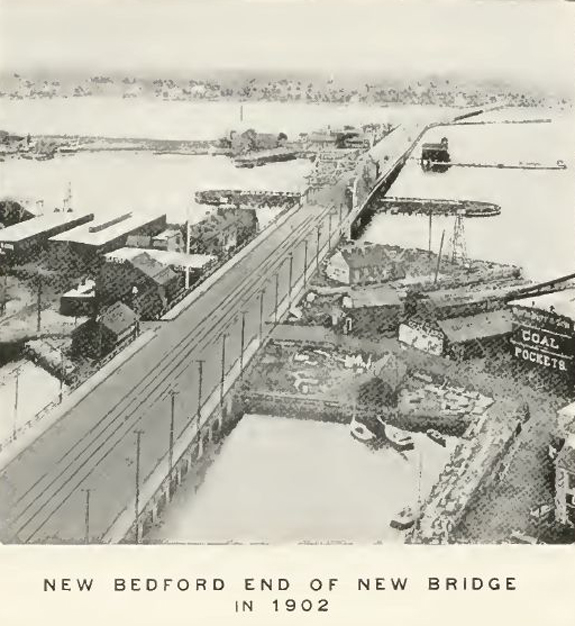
[111,183]
[537,222]
[159,119]
[288,480]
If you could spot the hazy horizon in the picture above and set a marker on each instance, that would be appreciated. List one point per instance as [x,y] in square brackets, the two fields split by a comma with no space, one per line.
[522,46]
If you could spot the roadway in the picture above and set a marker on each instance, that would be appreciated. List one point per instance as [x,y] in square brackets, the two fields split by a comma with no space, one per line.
[92,446]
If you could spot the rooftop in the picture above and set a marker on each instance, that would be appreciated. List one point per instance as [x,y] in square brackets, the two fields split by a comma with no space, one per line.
[41,224]
[559,302]
[152,268]
[165,257]
[368,255]
[461,329]
[118,317]
[107,229]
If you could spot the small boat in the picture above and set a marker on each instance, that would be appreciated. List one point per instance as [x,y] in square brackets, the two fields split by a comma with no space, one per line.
[360,432]
[404,519]
[398,438]
[436,436]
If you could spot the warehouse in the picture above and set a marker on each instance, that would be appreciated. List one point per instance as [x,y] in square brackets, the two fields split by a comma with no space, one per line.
[22,241]
[543,332]
[81,249]
[458,337]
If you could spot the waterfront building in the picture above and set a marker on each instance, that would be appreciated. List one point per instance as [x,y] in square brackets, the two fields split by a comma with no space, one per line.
[365,264]
[435,156]
[81,248]
[458,337]
[544,332]
[23,240]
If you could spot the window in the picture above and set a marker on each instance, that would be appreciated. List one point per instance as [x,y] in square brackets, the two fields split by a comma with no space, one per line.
[570,481]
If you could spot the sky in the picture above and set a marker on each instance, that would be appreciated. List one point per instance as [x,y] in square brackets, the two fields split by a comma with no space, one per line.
[499,39]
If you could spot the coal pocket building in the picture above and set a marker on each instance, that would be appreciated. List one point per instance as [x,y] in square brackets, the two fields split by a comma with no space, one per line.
[458,337]
[543,332]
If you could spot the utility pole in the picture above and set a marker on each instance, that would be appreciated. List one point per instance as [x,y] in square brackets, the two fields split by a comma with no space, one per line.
[430,219]
[305,262]
[16,385]
[277,295]
[39,312]
[242,340]
[87,515]
[223,372]
[171,439]
[290,276]
[200,380]
[318,228]
[187,243]
[137,508]
[262,294]
[329,235]
[61,376]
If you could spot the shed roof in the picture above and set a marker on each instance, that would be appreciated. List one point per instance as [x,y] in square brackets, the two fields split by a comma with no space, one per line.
[118,317]
[491,324]
[85,233]
[41,224]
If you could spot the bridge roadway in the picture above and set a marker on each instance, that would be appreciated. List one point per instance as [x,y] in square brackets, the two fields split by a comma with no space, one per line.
[92,446]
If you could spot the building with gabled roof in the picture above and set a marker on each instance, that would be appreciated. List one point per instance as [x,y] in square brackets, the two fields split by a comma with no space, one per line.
[140,281]
[101,334]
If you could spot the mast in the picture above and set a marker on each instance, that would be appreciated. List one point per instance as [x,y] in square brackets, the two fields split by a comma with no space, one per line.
[439,256]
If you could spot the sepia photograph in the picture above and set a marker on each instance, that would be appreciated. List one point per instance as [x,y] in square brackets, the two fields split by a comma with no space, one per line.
[287,272]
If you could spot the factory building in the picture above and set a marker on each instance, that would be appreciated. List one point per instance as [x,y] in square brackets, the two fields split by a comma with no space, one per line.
[81,249]
[543,332]
[22,241]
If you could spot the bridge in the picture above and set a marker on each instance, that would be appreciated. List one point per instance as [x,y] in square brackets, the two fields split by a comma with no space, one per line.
[127,437]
